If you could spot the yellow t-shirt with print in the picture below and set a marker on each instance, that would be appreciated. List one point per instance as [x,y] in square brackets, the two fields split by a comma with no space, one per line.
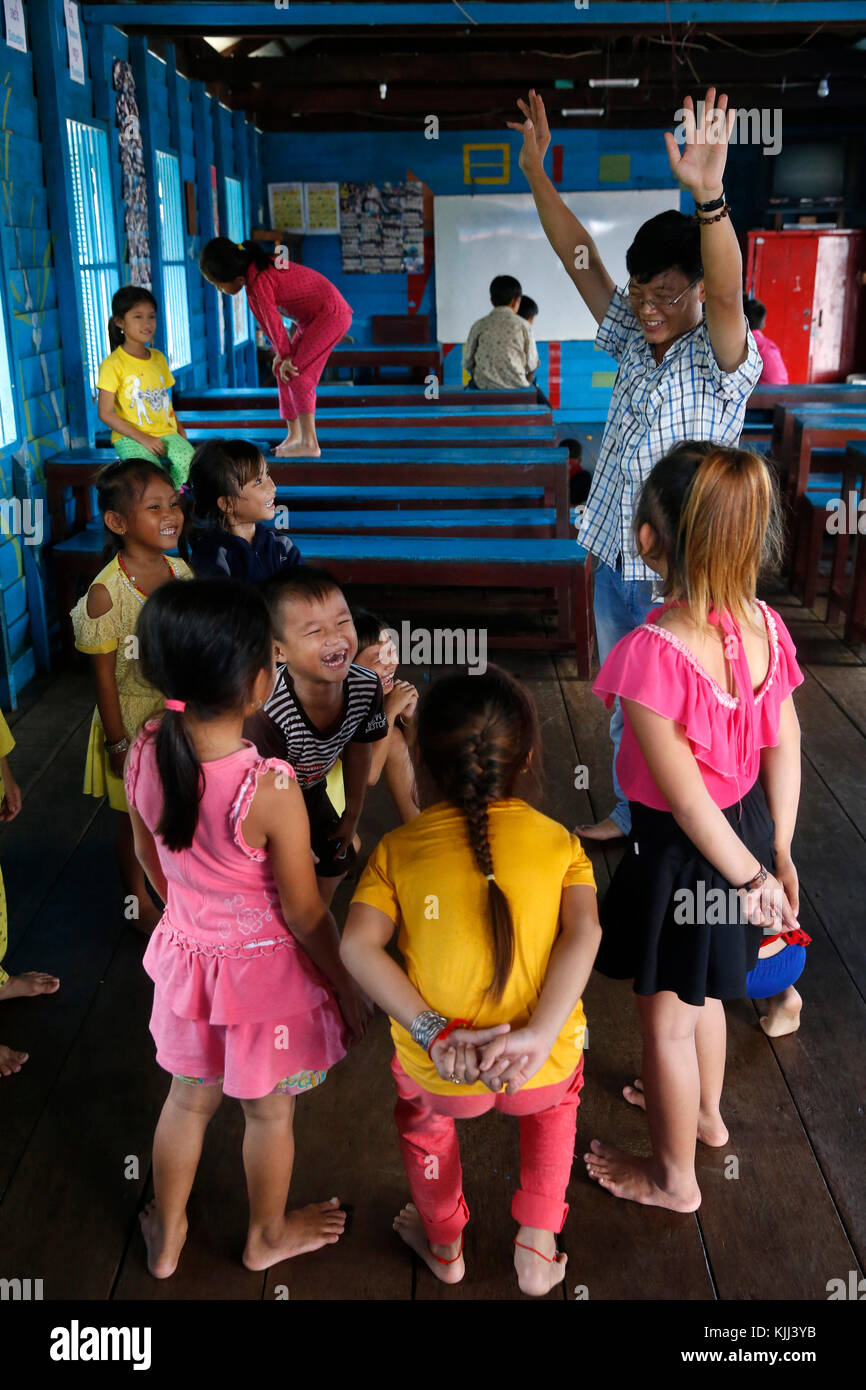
[425,877]
[141,390]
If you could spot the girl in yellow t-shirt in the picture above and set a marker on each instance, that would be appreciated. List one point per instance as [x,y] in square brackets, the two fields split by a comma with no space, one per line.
[135,388]
[498,928]
[31,981]
[142,515]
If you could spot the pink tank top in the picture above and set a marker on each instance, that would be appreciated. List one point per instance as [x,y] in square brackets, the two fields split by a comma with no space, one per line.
[726,732]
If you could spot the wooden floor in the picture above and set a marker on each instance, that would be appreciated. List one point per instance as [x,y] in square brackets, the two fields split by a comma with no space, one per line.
[76,1125]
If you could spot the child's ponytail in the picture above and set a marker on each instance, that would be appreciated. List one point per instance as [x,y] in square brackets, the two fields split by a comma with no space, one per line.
[715,515]
[202,642]
[477,735]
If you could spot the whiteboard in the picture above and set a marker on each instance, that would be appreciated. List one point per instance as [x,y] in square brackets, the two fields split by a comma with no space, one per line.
[489,234]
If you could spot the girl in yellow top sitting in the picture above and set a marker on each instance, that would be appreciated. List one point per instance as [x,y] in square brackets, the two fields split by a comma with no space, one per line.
[498,928]
[143,518]
[31,981]
[135,388]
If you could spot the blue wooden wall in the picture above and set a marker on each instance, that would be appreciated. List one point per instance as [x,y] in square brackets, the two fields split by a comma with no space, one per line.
[42,307]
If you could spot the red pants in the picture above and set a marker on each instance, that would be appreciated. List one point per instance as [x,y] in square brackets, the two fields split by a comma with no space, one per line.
[431,1153]
[309,348]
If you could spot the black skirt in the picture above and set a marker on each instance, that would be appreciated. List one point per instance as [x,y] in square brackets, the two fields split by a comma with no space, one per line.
[670,920]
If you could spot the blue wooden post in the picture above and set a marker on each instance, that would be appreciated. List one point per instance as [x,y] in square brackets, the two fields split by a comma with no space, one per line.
[224,166]
[138,58]
[202,130]
[56,101]
[245,355]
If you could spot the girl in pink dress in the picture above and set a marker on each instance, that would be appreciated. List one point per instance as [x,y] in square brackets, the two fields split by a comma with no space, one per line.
[244,1004]
[710,762]
[321,314]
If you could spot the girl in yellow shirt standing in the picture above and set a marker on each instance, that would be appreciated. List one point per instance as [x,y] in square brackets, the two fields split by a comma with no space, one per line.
[135,388]
[31,981]
[142,515]
[498,927]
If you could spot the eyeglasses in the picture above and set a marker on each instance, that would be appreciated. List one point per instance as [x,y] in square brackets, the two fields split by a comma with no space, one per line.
[637,300]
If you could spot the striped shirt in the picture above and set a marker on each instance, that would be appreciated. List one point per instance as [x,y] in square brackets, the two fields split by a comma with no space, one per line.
[654,405]
[312,752]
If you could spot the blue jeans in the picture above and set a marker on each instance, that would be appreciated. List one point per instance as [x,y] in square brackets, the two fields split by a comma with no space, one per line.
[619,606]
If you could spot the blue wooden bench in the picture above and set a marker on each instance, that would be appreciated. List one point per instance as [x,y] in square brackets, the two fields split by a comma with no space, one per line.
[465,469]
[429,418]
[559,567]
[356,437]
[217,398]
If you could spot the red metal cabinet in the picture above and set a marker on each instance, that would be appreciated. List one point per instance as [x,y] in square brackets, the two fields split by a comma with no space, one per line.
[810,281]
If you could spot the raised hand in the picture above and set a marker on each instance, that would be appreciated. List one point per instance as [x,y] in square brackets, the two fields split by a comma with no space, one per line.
[700,164]
[535,132]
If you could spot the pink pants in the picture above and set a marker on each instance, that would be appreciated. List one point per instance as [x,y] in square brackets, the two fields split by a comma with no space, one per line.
[431,1153]
[309,348]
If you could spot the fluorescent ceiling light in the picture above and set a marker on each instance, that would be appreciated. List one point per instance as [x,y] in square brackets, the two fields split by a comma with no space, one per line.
[582,111]
[614,82]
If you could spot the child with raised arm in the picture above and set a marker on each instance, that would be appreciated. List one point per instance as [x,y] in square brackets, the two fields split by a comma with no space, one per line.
[143,520]
[135,388]
[686,359]
[495,909]
[321,314]
[233,496]
[710,762]
[250,998]
[323,707]
[29,982]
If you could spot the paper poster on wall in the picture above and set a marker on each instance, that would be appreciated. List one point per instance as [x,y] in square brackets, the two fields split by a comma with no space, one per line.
[286,203]
[16,35]
[322,209]
[382,228]
[73,38]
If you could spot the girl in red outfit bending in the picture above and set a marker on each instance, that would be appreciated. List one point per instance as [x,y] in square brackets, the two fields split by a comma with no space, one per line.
[321,317]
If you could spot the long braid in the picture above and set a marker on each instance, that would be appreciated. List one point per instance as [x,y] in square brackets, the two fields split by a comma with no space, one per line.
[480,777]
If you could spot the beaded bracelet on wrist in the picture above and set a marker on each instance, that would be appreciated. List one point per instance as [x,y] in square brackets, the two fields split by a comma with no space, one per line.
[704,221]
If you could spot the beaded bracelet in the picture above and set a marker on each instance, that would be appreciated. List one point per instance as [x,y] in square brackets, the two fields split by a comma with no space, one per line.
[703,221]
[711,207]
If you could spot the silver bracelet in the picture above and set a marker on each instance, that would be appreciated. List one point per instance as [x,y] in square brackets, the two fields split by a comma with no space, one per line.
[425,1026]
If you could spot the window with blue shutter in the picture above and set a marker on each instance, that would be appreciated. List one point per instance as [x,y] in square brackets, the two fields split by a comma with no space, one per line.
[175,304]
[93,218]
[237,232]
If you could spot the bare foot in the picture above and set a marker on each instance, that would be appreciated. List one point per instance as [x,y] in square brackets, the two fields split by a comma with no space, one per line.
[163,1252]
[783,1015]
[299,450]
[534,1274]
[606,829]
[634,1179]
[712,1129]
[308,1228]
[409,1227]
[31,982]
[11,1061]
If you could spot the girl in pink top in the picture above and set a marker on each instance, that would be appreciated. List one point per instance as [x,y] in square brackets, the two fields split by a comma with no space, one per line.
[250,997]
[710,762]
[321,314]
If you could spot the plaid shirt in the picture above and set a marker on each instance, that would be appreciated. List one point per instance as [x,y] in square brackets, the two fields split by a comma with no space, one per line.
[654,406]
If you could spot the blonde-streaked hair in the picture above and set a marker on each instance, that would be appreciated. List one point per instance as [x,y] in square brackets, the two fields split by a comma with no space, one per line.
[716,516]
